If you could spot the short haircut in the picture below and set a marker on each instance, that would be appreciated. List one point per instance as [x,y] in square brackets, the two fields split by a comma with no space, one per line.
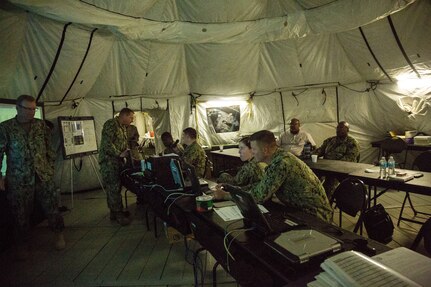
[264,137]
[295,120]
[344,123]
[191,132]
[245,141]
[126,112]
[166,136]
[25,98]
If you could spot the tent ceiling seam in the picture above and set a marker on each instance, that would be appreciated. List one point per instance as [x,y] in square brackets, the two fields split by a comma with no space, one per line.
[374,55]
[400,45]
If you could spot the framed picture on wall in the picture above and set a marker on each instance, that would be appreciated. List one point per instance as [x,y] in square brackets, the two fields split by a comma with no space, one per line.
[224,119]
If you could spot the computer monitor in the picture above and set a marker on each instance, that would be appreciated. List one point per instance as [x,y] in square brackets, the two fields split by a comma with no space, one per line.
[166,171]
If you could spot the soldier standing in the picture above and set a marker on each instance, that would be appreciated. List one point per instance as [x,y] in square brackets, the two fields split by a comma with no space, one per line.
[194,154]
[30,172]
[113,151]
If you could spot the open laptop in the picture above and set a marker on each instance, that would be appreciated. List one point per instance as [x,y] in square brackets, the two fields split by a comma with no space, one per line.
[296,245]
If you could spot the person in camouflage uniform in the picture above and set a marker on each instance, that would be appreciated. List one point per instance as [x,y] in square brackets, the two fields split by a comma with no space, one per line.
[112,155]
[288,178]
[193,153]
[26,141]
[340,147]
[249,174]
[170,145]
[133,143]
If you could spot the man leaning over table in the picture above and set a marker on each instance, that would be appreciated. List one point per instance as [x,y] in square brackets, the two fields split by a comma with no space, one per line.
[288,178]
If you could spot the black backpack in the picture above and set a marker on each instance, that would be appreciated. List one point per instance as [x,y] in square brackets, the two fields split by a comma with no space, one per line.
[378,224]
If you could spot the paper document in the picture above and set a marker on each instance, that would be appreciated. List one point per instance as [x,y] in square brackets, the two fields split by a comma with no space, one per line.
[229,213]
[352,268]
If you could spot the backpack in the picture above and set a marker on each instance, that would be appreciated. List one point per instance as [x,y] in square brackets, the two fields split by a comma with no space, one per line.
[378,224]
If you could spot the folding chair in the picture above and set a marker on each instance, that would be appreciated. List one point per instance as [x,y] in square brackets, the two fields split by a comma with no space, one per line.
[423,163]
[351,197]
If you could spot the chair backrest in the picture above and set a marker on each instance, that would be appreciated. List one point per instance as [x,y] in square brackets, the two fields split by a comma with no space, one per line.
[392,146]
[423,161]
[351,196]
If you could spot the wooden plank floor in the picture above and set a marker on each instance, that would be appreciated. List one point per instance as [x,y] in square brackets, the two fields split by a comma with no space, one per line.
[102,253]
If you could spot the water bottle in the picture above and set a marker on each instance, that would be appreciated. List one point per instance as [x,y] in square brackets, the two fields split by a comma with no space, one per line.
[382,164]
[391,166]
[307,151]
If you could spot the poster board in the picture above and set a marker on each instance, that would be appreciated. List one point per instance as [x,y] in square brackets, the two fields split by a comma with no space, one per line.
[78,136]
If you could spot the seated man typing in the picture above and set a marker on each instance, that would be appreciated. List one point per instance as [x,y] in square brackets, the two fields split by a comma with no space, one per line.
[288,178]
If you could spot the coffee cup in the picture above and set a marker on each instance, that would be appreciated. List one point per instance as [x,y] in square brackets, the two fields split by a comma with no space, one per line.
[314,157]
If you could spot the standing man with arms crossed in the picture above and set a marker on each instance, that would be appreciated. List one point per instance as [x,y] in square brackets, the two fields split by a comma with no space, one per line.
[112,155]
[30,172]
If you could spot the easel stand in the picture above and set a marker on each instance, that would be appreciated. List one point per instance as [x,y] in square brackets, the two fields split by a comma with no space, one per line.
[92,160]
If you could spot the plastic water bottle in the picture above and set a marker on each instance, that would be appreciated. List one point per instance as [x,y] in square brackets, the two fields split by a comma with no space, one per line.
[383,164]
[307,151]
[391,166]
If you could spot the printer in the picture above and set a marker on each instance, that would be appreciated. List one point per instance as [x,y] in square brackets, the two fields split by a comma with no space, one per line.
[422,140]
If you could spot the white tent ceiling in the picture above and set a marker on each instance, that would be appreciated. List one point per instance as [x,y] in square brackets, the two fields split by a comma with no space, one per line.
[167,48]
[318,60]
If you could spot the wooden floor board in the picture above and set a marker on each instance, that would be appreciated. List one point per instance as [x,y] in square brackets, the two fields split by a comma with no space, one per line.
[99,252]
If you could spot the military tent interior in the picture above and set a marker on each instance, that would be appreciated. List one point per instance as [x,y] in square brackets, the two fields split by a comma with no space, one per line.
[323,61]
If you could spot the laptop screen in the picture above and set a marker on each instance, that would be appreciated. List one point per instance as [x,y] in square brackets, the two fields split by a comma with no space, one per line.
[253,217]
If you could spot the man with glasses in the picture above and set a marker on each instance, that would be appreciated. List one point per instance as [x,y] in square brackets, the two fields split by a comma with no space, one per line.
[30,172]
[114,149]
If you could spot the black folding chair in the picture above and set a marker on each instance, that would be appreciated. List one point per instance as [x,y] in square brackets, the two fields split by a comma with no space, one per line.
[351,197]
[393,146]
[423,163]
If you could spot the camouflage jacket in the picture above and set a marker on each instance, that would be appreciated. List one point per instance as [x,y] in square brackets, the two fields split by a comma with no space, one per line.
[295,184]
[27,153]
[338,149]
[114,141]
[195,155]
[250,173]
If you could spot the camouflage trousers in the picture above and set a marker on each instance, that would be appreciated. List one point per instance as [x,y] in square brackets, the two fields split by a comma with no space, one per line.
[22,197]
[110,171]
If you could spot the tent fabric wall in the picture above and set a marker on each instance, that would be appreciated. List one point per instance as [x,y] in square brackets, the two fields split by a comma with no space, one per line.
[306,58]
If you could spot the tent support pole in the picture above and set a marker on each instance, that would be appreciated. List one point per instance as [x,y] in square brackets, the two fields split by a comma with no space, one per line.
[282,112]
[338,109]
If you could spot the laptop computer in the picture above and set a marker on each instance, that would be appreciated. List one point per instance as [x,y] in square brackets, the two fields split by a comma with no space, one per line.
[296,245]
[253,217]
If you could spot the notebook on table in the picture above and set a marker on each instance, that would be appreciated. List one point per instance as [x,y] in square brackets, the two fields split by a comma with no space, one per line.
[296,245]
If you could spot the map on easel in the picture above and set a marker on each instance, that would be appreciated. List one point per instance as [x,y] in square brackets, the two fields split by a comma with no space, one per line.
[78,136]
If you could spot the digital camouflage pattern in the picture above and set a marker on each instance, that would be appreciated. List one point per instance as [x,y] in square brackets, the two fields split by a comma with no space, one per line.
[295,184]
[195,155]
[249,173]
[339,149]
[114,142]
[30,172]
